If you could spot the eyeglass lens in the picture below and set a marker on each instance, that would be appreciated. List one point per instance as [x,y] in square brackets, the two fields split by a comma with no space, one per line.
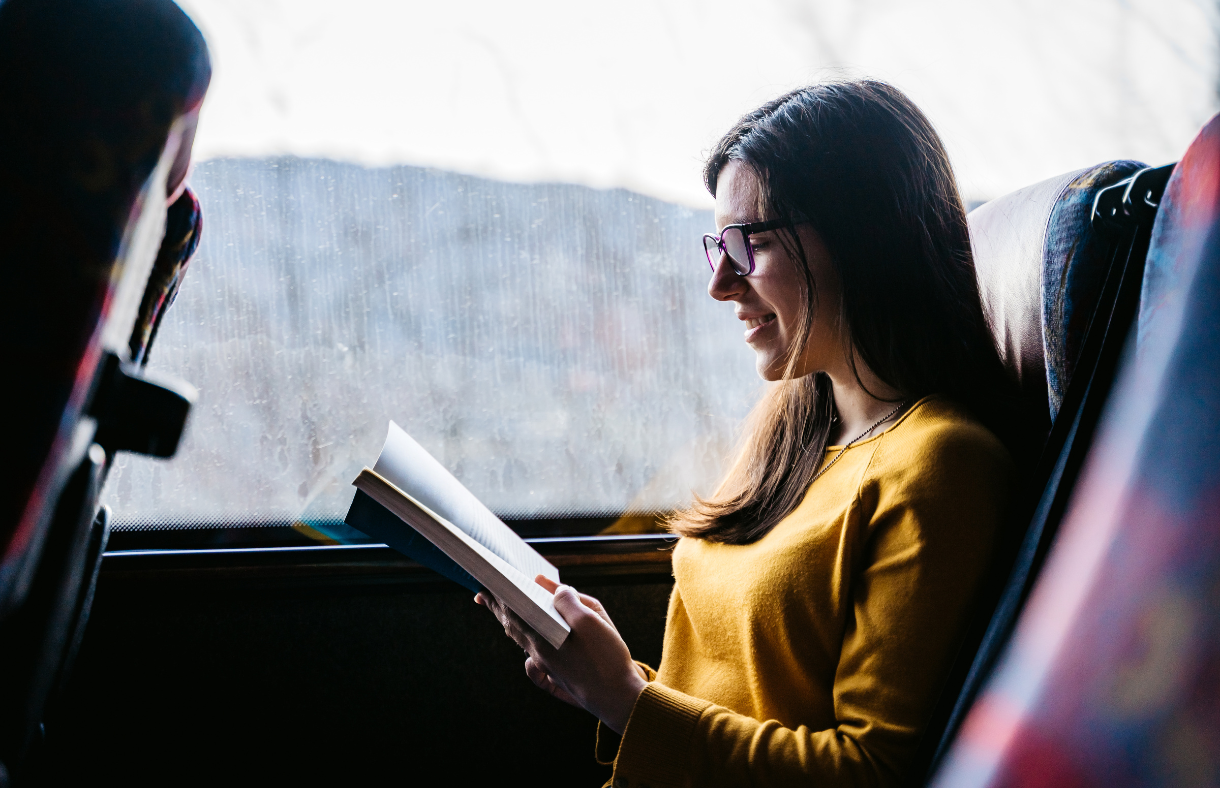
[734,243]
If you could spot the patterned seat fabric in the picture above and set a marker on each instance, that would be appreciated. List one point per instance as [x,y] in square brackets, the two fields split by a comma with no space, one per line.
[183,226]
[1111,677]
[1074,264]
[1041,266]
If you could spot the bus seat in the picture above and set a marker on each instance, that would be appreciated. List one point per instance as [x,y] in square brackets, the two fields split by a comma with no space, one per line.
[37,636]
[183,228]
[83,214]
[1040,265]
[1059,266]
[1110,674]
[66,214]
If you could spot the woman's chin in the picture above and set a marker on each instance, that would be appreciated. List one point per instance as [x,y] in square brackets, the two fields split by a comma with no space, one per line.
[769,369]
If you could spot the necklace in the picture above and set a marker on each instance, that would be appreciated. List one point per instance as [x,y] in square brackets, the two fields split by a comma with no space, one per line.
[851,442]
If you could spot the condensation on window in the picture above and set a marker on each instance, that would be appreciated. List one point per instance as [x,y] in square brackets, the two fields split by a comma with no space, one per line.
[553,345]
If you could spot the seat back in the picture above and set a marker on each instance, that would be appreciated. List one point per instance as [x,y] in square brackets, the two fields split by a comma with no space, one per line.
[1040,265]
[84,121]
[90,130]
[1059,265]
[35,636]
[1109,677]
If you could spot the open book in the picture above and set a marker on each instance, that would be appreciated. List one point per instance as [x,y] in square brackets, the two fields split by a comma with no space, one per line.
[409,501]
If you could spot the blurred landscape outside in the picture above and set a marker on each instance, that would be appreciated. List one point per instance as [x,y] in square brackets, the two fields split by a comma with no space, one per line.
[485,225]
[552,345]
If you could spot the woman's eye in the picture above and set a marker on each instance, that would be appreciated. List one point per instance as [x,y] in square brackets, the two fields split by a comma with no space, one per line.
[758,246]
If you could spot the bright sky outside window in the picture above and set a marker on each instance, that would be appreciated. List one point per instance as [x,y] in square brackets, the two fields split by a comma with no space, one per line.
[632,93]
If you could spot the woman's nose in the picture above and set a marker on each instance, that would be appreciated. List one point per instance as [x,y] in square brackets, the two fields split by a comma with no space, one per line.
[726,284]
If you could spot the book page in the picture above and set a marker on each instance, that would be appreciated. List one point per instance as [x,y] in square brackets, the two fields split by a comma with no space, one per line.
[536,593]
[408,466]
[534,604]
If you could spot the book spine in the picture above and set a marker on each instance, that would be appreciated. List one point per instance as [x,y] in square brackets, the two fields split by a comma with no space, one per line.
[370,517]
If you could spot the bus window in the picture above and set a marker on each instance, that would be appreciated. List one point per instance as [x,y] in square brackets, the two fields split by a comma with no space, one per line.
[484,224]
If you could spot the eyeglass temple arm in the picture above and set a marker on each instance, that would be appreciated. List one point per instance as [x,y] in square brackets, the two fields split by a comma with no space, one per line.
[762,227]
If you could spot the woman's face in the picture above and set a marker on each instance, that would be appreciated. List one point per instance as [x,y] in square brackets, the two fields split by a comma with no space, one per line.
[771,300]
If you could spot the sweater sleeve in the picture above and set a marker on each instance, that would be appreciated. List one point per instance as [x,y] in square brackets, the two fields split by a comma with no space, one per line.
[605,749]
[927,539]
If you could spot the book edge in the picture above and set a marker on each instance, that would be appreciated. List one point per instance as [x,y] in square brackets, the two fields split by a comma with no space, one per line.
[496,528]
[433,524]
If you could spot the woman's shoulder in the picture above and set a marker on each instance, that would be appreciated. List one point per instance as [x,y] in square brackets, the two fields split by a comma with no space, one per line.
[940,474]
[938,440]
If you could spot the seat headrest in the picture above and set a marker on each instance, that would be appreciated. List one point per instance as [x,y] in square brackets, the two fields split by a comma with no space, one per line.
[100,88]
[1041,266]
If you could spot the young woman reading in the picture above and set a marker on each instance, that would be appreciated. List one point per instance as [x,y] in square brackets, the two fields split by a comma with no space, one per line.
[821,591]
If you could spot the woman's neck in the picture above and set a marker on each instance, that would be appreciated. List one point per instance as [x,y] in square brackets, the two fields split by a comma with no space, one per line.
[860,406]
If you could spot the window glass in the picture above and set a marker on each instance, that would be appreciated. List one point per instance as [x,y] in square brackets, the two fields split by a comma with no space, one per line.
[551,344]
[483,220]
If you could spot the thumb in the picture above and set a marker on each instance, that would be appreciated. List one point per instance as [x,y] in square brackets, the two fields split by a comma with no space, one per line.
[568,604]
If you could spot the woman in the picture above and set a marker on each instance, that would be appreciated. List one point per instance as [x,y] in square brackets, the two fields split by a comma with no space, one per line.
[820,593]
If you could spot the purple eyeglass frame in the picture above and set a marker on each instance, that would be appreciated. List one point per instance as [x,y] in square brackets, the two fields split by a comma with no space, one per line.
[747,229]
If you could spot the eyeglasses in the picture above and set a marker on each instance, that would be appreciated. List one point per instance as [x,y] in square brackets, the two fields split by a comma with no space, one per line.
[734,241]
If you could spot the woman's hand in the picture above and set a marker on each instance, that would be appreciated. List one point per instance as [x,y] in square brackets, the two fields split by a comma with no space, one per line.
[593,669]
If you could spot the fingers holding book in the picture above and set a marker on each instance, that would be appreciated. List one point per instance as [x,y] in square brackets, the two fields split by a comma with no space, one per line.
[593,669]
[529,641]
[590,602]
[543,680]
[516,629]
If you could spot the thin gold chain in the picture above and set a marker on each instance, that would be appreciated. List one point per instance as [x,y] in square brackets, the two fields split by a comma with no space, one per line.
[851,442]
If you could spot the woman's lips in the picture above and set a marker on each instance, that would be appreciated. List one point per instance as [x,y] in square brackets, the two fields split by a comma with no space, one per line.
[757,325]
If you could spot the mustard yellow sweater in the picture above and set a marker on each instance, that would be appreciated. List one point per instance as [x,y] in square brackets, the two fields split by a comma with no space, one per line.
[814,656]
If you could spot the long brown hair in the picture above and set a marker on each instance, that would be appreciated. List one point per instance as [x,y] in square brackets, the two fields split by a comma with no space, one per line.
[862,164]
